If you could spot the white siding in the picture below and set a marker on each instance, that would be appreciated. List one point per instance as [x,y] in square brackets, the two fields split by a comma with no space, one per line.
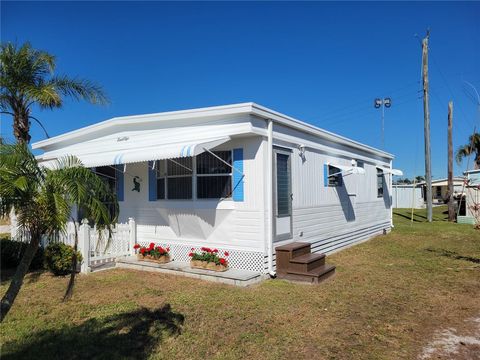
[334,217]
[234,225]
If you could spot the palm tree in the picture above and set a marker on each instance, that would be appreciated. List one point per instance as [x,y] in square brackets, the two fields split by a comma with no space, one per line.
[27,79]
[43,200]
[472,148]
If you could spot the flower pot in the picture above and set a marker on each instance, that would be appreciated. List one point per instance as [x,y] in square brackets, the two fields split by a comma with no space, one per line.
[163,259]
[211,266]
[139,256]
[220,268]
[160,260]
[198,264]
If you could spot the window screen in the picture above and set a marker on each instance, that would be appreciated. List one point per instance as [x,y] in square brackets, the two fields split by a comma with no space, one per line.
[380,180]
[108,174]
[214,176]
[283,185]
[174,178]
[334,176]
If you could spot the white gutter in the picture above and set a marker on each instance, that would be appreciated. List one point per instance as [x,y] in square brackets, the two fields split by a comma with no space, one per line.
[269,182]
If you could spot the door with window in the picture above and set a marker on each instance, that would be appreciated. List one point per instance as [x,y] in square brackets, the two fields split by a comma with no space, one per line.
[282,196]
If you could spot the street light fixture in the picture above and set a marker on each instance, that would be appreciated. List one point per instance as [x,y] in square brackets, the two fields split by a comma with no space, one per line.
[383,103]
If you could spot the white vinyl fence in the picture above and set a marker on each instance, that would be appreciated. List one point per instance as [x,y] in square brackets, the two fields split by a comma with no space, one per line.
[95,245]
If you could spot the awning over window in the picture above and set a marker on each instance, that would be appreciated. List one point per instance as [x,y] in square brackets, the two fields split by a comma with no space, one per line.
[347,170]
[391,171]
[141,153]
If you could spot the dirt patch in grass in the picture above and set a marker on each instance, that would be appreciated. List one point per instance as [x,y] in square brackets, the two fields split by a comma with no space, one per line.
[388,299]
[455,344]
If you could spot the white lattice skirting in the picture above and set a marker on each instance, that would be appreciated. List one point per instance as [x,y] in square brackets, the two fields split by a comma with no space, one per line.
[244,260]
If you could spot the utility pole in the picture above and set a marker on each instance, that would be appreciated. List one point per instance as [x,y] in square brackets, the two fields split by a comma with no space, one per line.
[451,209]
[426,117]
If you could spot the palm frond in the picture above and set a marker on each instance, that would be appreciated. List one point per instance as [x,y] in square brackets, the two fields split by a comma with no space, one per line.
[80,89]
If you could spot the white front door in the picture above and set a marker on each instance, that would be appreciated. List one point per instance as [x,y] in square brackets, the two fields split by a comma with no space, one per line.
[282,190]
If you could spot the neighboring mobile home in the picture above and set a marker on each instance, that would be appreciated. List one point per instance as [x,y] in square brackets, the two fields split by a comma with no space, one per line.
[440,189]
[241,178]
[470,210]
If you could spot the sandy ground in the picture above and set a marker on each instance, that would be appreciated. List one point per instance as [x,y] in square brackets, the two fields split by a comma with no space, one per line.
[455,344]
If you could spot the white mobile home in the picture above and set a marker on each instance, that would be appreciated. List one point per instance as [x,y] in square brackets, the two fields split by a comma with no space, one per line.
[241,178]
[470,207]
[440,189]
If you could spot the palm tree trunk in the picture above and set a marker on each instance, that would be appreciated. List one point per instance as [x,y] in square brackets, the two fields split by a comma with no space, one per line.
[17,280]
[71,283]
[21,126]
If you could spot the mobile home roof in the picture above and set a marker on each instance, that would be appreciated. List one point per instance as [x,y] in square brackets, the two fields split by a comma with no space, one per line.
[249,108]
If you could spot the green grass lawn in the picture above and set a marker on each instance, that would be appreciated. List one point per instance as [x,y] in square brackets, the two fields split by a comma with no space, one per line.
[389,296]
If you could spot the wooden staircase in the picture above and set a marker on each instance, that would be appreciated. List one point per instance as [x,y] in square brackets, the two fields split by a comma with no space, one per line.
[296,262]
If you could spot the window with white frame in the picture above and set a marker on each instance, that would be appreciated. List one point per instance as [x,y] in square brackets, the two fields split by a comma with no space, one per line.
[212,172]
[214,175]
[174,178]
[380,182]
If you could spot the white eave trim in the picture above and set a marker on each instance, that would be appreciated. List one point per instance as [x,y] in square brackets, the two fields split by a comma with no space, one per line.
[225,110]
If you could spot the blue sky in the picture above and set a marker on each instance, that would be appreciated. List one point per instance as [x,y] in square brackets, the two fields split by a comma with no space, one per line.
[322,63]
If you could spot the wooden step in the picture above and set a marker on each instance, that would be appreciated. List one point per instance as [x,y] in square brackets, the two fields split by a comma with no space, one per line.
[306,262]
[286,252]
[295,248]
[314,276]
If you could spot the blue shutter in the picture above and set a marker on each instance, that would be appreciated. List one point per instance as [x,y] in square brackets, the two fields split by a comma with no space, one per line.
[120,182]
[152,182]
[325,175]
[237,177]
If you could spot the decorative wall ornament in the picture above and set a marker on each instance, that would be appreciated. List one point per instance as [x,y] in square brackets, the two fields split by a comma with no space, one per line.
[136,183]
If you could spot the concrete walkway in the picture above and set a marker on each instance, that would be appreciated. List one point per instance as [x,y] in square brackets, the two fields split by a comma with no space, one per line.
[231,276]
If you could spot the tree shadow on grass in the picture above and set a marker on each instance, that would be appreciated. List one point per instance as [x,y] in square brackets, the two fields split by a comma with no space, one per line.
[453,255]
[409,217]
[31,277]
[131,335]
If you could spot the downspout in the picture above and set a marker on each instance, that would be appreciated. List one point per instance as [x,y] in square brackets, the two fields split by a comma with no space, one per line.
[391,197]
[269,182]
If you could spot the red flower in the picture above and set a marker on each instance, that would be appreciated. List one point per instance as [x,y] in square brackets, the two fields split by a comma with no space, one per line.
[193,249]
[142,250]
[136,246]
[215,250]
[226,253]
[223,261]
[168,249]
[152,245]
[191,254]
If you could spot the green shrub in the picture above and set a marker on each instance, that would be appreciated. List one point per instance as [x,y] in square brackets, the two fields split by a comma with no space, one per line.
[58,258]
[11,252]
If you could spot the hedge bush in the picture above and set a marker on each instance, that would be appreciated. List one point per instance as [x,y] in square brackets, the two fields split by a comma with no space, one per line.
[58,258]
[12,252]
